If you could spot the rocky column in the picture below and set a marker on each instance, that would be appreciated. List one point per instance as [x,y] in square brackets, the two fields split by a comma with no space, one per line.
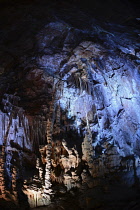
[2,181]
[50,124]
[14,176]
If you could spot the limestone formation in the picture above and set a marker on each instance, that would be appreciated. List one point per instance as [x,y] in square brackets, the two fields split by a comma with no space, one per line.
[69,105]
[2,180]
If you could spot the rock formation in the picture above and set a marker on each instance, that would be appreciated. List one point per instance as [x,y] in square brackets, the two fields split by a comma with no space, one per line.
[69,111]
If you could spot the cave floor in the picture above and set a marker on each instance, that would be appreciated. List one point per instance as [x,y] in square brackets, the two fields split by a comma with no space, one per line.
[109,197]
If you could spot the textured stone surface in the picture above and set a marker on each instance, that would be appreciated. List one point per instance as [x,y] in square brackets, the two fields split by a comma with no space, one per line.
[69,112]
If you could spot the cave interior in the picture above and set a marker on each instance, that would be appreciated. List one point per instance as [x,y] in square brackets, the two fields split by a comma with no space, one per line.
[69,104]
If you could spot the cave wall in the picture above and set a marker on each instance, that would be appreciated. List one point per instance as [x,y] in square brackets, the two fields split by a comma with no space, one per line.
[69,113]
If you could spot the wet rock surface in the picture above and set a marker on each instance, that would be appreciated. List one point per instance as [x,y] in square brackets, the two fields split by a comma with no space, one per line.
[69,112]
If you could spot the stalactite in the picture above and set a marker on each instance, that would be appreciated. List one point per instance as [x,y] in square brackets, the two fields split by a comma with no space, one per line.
[35,135]
[58,116]
[61,88]
[8,128]
[80,85]
[83,80]
[21,169]
[25,128]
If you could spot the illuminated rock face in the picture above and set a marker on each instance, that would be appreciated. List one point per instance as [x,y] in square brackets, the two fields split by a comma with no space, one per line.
[106,98]
[69,118]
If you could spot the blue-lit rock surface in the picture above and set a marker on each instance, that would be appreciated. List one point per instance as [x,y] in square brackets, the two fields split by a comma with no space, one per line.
[70,108]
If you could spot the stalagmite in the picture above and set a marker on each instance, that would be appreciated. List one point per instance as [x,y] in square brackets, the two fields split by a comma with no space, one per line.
[88,152]
[40,170]
[14,187]
[2,180]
